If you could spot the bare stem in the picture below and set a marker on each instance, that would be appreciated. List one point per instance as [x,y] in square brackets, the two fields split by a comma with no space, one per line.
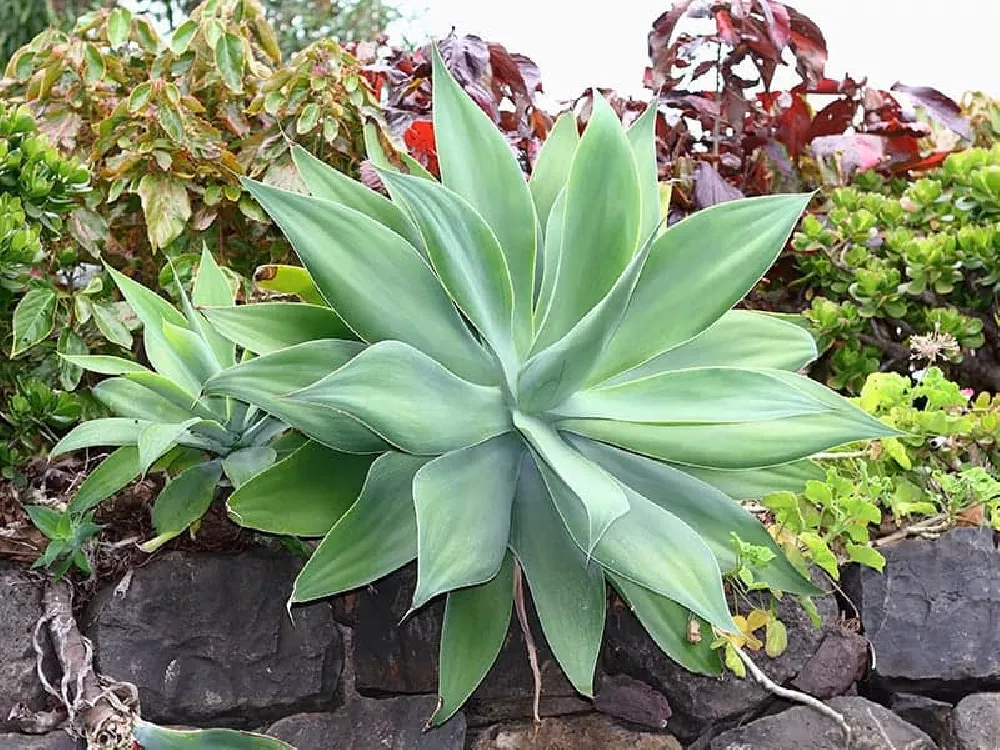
[529,640]
[797,696]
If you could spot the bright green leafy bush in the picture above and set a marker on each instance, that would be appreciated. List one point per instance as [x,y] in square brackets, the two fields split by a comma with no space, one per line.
[899,270]
[548,383]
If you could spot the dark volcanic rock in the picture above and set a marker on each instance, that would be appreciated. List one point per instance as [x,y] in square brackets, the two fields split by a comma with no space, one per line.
[626,698]
[976,722]
[933,617]
[804,728]
[366,724]
[839,662]
[50,741]
[932,716]
[207,640]
[20,609]
[590,732]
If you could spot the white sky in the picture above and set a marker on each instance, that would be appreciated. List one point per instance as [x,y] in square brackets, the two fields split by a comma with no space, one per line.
[951,45]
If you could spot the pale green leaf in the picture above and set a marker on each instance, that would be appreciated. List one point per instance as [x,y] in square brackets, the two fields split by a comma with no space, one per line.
[463,501]
[185,499]
[119,22]
[642,139]
[288,280]
[110,431]
[94,64]
[354,260]
[478,164]
[211,287]
[156,439]
[173,393]
[114,472]
[165,206]
[34,319]
[244,464]
[551,170]
[110,325]
[755,483]
[411,400]
[550,258]
[153,737]
[377,535]
[697,270]
[70,343]
[304,494]
[568,593]
[103,364]
[127,398]
[475,626]
[265,327]
[230,60]
[182,37]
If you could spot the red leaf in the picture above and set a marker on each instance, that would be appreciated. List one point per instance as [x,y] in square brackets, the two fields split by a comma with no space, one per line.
[921,164]
[419,139]
[854,152]
[725,29]
[833,119]
[793,126]
[942,108]
[710,188]
[809,46]
[779,22]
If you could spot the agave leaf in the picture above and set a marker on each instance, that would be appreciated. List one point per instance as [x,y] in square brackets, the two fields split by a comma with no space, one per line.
[668,623]
[211,287]
[129,399]
[755,483]
[653,548]
[265,327]
[327,183]
[478,164]
[157,438]
[264,381]
[467,257]
[740,338]
[551,171]
[411,400]
[244,464]
[550,258]
[355,260]
[741,445]
[105,431]
[463,501]
[708,261]
[377,535]
[183,501]
[703,395]
[711,513]
[296,495]
[173,393]
[593,491]
[153,737]
[601,229]
[113,473]
[102,364]
[569,594]
[475,626]
[642,139]
[284,279]
[193,350]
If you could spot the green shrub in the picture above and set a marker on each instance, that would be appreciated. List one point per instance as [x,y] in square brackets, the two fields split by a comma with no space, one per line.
[908,270]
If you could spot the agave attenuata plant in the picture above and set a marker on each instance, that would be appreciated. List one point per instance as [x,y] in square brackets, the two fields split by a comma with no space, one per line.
[553,383]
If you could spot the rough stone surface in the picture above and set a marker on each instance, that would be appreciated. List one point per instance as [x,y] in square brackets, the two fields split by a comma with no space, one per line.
[840,660]
[20,608]
[365,724]
[700,702]
[626,698]
[976,722]
[803,728]
[207,640]
[932,716]
[588,732]
[392,658]
[934,616]
[51,741]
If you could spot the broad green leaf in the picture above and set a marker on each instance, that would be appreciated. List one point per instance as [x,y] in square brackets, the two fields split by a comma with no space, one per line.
[110,325]
[653,548]
[107,431]
[414,167]
[551,170]
[301,495]
[103,364]
[193,351]
[354,260]
[601,230]
[243,465]
[94,68]
[34,319]
[555,372]
[165,206]
[755,483]
[265,380]
[462,501]
[740,338]
[173,393]
[265,327]
[45,519]
[550,256]
[327,183]
[182,37]
[114,472]
[183,501]
[156,439]
[697,270]
[703,395]
[411,400]
[70,343]
[211,287]
[467,257]
[476,620]
[745,445]
[711,513]
[865,555]
[119,22]
[668,622]
[569,594]
[130,399]
[592,490]
[377,535]
[230,60]
[153,737]
[289,280]
[642,139]
[479,165]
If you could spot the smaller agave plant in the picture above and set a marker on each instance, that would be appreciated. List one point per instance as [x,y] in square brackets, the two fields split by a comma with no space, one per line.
[162,419]
[547,385]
